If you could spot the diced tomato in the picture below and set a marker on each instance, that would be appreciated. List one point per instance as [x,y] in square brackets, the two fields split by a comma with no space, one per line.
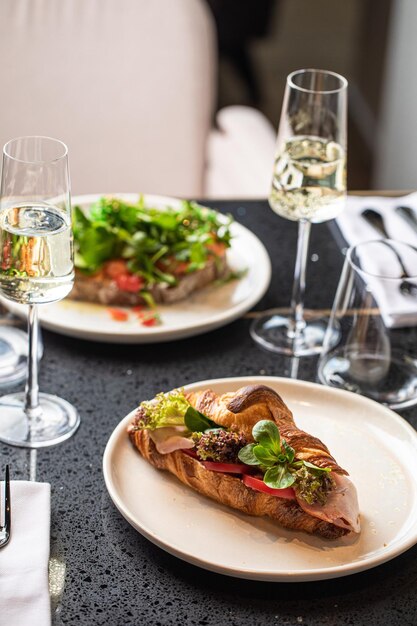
[217,247]
[180,268]
[119,315]
[152,320]
[172,266]
[259,485]
[129,282]
[138,309]
[228,468]
[115,268]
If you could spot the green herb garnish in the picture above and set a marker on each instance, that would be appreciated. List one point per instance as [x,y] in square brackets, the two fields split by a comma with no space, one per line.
[276,457]
[196,421]
[151,241]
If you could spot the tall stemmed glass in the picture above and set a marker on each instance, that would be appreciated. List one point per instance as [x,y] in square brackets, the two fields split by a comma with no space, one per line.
[309,185]
[36,267]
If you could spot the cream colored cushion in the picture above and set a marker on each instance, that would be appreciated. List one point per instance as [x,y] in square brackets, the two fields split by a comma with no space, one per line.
[240,155]
[127,84]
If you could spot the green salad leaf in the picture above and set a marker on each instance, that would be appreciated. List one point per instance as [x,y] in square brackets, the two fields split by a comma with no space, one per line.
[151,241]
[166,409]
[173,409]
[197,422]
[276,458]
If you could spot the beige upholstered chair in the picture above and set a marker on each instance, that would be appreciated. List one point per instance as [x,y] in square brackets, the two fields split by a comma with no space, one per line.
[129,85]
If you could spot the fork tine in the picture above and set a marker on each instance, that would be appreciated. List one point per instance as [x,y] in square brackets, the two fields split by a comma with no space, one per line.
[7,510]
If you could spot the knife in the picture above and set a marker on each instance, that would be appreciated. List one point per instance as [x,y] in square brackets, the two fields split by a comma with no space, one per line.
[408,215]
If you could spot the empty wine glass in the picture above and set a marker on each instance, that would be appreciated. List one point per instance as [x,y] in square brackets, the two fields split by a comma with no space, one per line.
[376,351]
[308,185]
[36,267]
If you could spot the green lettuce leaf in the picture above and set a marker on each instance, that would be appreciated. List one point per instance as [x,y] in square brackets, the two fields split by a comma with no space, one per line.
[166,409]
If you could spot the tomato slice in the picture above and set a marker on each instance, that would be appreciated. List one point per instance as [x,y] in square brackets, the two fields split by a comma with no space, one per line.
[189,452]
[259,485]
[228,468]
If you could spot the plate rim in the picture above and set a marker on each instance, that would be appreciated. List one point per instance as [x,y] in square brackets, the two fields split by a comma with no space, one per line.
[301,575]
[162,334]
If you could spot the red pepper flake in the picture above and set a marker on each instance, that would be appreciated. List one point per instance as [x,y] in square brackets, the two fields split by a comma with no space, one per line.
[119,315]
[150,320]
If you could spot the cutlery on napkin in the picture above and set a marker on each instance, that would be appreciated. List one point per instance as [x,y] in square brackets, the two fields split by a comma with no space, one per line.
[397,309]
[24,589]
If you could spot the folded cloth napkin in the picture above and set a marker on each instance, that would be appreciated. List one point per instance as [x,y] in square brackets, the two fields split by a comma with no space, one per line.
[24,591]
[397,310]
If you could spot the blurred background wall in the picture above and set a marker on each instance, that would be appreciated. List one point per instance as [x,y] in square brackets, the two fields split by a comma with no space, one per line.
[371,42]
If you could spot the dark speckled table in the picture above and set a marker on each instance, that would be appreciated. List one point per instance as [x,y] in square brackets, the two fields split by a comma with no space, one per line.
[113,575]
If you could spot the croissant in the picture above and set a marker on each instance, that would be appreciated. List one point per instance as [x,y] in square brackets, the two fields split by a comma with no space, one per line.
[240,411]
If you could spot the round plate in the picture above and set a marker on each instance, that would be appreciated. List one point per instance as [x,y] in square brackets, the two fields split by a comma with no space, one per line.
[204,310]
[376,446]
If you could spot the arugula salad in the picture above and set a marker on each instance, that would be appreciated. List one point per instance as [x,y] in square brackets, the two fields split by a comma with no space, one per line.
[155,246]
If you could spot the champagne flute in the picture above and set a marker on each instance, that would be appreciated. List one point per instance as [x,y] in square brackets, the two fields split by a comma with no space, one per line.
[36,267]
[308,186]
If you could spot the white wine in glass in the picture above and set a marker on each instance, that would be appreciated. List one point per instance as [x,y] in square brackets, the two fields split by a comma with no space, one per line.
[35,253]
[308,186]
[36,267]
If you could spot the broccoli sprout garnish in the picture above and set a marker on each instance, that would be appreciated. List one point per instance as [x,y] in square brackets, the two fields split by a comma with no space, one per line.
[219,445]
[311,486]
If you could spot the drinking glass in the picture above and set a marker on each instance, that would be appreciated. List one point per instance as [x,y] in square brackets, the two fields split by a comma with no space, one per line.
[308,186]
[376,351]
[36,267]
[13,355]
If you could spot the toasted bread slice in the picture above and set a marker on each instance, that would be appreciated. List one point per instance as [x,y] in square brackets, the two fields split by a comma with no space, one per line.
[103,290]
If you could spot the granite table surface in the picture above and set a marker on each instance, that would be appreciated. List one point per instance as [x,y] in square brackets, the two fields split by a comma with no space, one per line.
[113,575]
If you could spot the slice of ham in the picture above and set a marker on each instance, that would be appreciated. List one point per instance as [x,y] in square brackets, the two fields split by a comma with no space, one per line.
[171,438]
[341,508]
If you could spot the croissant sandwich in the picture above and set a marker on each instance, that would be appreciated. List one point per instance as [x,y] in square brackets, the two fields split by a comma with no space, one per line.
[243,449]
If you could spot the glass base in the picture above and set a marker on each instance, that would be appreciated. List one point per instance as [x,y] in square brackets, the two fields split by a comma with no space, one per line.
[57,421]
[272,332]
[391,381]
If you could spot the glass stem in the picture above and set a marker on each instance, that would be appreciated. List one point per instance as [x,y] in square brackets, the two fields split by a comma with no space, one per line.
[32,407]
[297,322]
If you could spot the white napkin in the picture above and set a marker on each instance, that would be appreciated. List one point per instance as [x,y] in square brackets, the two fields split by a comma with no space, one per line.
[24,591]
[397,310]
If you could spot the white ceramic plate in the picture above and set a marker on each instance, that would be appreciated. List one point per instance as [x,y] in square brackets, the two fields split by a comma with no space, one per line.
[204,310]
[376,446]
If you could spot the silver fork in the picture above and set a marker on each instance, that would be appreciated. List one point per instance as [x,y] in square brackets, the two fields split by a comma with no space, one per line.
[5,529]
